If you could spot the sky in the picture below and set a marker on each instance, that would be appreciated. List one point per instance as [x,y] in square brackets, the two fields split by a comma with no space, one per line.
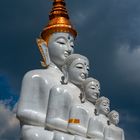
[108,34]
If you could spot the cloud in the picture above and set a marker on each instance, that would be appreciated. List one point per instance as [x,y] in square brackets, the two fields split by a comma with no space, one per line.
[9,125]
[81,16]
[128,63]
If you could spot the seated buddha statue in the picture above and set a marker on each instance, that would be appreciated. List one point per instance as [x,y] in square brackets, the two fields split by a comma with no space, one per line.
[58,40]
[84,110]
[112,131]
[63,97]
[97,123]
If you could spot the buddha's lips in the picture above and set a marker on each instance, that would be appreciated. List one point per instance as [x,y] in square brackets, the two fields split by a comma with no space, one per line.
[83,76]
[66,53]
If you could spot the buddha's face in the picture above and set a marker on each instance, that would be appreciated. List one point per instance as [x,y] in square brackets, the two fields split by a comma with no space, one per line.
[78,71]
[104,107]
[92,91]
[114,118]
[60,46]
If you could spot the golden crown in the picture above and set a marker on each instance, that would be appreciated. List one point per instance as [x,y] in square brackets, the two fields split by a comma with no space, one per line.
[59,21]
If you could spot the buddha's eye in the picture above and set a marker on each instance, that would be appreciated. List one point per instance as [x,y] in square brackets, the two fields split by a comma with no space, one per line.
[61,41]
[104,104]
[79,66]
[115,115]
[92,87]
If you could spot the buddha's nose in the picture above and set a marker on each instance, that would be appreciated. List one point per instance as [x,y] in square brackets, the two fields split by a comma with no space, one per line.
[69,48]
[86,72]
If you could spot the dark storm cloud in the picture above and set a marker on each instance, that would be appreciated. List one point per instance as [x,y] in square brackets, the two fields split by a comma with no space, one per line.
[108,34]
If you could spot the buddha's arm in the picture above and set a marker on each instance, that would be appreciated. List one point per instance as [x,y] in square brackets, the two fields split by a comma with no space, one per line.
[106,133]
[58,109]
[28,106]
[123,137]
[78,120]
[95,129]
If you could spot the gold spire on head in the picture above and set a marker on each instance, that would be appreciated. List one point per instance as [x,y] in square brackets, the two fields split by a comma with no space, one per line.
[59,21]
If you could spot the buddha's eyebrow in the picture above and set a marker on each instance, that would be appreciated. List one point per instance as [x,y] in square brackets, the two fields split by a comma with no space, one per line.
[79,63]
[61,37]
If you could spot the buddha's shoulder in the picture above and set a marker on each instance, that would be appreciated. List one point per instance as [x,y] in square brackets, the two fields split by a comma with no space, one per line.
[41,73]
[66,87]
[119,129]
[61,89]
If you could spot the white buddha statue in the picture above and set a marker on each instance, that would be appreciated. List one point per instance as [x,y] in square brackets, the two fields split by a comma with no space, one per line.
[84,110]
[59,135]
[54,104]
[32,106]
[98,123]
[112,131]
[77,137]
[63,97]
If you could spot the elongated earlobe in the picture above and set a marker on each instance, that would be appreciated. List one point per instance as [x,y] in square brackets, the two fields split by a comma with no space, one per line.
[108,122]
[96,112]
[64,78]
[44,52]
[82,97]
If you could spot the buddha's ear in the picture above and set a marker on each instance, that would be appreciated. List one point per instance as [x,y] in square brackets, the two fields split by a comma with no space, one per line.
[96,112]
[83,97]
[65,74]
[108,122]
[44,52]
[82,87]
[83,94]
